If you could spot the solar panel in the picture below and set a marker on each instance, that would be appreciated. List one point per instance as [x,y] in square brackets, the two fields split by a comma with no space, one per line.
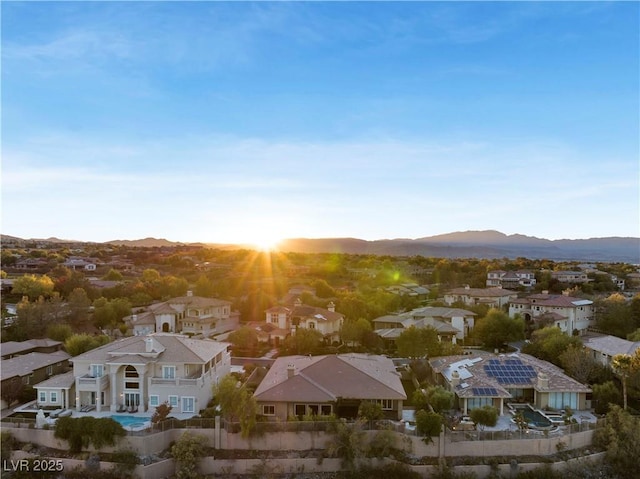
[510,371]
[484,391]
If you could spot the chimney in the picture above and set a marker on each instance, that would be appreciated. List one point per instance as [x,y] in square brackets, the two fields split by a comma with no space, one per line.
[189,293]
[148,345]
[466,286]
[291,370]
[331,307]
[543,381]
[134,317]
[455,379]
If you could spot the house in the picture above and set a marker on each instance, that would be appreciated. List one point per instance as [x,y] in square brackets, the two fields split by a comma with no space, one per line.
[573,277]
[79,264]
[31,263]
[32,368]
[332,384]
[11,349]
[510,279]
[186,315]
[141,372]
[451,323]
[57,392]
[604,348]
[409,289]
[492,297]
[326,321]
[488,379]
[567,313]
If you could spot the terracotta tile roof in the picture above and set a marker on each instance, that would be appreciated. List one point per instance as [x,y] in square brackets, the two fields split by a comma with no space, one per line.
[327,378]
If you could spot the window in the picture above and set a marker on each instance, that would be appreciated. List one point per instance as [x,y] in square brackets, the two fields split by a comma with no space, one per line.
[42,396]
[312,325]
[154,400]
[53,397]
[268,410]
[97,370]
[386,404]
[325,409]
[169,372]
[300,409]
[173,401]
[188,404]
[49,370]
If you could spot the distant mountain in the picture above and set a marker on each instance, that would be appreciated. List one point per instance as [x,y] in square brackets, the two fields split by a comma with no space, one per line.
[487,244]
[479,244]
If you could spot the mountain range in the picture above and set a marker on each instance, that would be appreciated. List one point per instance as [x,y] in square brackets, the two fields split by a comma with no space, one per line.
[487,244]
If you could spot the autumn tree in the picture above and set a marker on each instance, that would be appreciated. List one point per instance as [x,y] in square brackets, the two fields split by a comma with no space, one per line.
[578,363]
[33,286]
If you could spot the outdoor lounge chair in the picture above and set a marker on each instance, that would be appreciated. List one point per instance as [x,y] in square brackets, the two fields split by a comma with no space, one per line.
[121,408]
[133,408]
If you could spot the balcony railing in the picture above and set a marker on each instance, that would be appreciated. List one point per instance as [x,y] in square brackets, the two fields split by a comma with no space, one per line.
[178,381]
[101,382]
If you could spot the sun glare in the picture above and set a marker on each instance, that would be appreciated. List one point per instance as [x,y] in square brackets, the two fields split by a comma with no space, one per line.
[266,244]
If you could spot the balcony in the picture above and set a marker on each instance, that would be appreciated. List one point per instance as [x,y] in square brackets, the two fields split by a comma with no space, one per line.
[94,382]
[198,381]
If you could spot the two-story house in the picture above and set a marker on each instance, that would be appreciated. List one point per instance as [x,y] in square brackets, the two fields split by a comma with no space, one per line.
[452,324]
[510,279]
[326,321]
[573,277]
[492,297]
[187,315]
[141,372]
[567,313]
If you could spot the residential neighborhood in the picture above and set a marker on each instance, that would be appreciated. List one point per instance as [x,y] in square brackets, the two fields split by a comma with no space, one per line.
[350,348]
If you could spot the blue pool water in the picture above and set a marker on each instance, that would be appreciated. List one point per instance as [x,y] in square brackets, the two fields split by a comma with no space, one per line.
[534,418]
[131,421]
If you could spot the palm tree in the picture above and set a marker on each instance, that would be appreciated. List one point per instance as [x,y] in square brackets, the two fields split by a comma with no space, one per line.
[624,365]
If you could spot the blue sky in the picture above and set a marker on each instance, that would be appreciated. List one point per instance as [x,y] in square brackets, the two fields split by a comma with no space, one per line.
[249,122]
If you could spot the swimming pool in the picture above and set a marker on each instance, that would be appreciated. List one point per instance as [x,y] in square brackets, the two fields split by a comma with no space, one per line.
[534,418]
[131,421]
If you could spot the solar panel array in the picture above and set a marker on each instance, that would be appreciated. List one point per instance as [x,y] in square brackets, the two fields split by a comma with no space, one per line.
[510,371]
[492,392]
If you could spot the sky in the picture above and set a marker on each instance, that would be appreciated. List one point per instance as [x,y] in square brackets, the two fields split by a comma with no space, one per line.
[240,122]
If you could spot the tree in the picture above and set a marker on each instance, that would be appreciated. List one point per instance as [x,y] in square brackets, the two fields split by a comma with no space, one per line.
[187,451]
[604,395]
[578,363]
[113,275]
[624,365]
[497,329]
[161,413]
[484,416]
[59,332]
[428,423]
[615,316]
[78,303]
[12,390]
[83,431]
[355,331]
[549,343]
[245,341]
[33,286]
[370,411]
[439,398]
[236,403]
[303,341]
[81,343]
[620,438]
[418,342]
[348,443]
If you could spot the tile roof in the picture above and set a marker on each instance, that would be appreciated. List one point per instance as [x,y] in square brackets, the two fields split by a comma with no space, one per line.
[328,378]
[27,363]
[558,300]
[483,292]
[62,381]
[177,349]
[16,347]
[612,345]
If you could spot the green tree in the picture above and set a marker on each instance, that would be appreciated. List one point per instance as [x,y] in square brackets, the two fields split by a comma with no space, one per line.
[439,398]
[624,366]
[549,343]
[303,341]
[236,403]
[78,303]
[604,395]
[620,438]
[370,411]
[418,342]
[187,452]
[81,343]
[347,443]
[12,389]
[428,423]
[59,332]
[83,431]
[33,286]
[484,416]
[113,275]
[245,341]
[497,329]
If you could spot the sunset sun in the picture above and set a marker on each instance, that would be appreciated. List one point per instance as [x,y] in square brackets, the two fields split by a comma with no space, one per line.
[266,243]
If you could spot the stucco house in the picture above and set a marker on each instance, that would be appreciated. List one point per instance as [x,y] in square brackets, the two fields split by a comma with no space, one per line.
[141,372]
[188,314]
[574,277]
[331,384]
[488,379]
[510,279]
[326,321]
[604,348]
[492,297]
[567,313]
[452,324]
